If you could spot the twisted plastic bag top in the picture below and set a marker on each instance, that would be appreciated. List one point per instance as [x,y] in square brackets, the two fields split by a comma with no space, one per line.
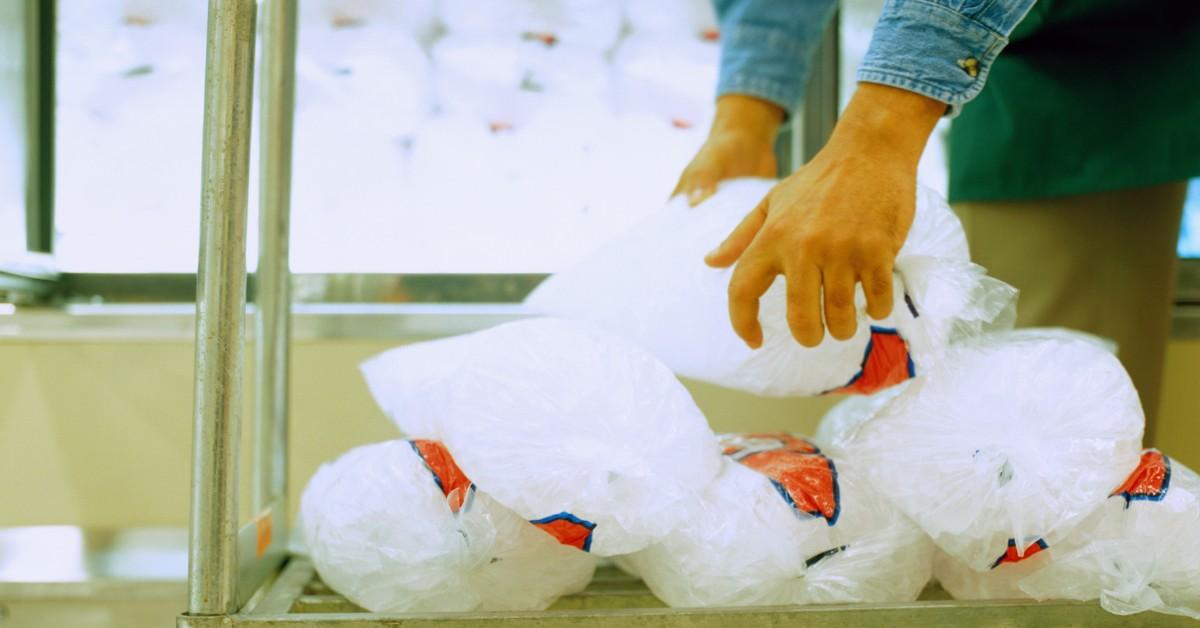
[1009,443]
[571,427]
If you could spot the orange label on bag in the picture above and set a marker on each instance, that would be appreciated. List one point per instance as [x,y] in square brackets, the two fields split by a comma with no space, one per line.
[1010,555]
[455,484]
[1149,481]
[886,362]
[568,529]
[804,477]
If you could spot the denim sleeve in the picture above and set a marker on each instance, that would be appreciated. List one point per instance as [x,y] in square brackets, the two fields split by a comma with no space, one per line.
[940,48]
[767,47]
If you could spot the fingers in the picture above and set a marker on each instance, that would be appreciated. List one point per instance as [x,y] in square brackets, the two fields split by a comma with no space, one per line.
[877,284]
[697,183]
[736,242]
[804,304]
[838,287]
[750,280]
[700,193]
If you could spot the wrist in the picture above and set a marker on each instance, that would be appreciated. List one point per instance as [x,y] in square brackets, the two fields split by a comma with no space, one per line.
[750,118]
[888,120]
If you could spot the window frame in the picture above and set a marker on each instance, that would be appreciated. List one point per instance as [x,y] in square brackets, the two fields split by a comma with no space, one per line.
[32,277]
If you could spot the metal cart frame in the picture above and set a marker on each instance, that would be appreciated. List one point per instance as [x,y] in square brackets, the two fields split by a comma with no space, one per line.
[243,576]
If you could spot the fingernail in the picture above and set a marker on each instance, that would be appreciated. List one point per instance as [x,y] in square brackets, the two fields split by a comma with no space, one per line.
[695,196]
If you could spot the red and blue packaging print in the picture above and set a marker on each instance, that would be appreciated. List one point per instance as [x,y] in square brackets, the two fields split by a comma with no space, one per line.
[804,477]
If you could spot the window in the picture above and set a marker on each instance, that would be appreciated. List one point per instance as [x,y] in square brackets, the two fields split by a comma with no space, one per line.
[443,150]
[477,140]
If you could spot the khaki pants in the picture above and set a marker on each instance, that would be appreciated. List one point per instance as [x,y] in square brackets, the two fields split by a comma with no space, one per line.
[1101,263]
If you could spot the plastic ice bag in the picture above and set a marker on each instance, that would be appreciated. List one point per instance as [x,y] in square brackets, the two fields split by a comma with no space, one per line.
[573,428]
[1008,444]
[840,424]
[674,79]
[680,18]
[397,527]
[1140,552]
[652,286]
[785,524]
[503,81]
[414,17]
[594,24]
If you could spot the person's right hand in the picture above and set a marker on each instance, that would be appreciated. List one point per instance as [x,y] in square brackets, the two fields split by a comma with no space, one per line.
[741,143]
[837,221]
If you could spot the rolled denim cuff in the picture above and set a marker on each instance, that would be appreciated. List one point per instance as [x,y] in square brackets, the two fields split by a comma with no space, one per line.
[767,63]
[932,50]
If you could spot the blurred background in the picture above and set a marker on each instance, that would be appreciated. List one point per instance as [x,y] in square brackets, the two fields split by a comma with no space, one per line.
[448,155]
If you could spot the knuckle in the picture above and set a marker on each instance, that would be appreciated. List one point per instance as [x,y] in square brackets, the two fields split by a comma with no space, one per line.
[873,244]
[879,284]
[840,303]
[740,291]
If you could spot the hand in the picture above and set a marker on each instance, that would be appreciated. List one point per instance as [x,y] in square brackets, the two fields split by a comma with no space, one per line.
[741,143]
[837,221]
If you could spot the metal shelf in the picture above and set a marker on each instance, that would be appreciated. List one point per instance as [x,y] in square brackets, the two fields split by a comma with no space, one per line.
[615,599]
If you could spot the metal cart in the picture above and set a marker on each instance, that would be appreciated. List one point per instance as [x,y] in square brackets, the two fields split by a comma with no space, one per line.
[243,575]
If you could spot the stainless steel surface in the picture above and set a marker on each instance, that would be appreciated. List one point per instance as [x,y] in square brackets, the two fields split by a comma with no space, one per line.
[261,550]
[273,292]
[89,556]
[400,323]
[615,599]
[55,576]
[176,322]
[310,288]
[220,308]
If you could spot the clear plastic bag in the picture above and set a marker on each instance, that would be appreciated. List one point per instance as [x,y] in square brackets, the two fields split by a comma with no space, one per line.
[571,427]
[681,304]
[397,527]
[838,427]
[594,24]
[785,524]
[1008,444]
[670,78]
[1140,551]
[677,18]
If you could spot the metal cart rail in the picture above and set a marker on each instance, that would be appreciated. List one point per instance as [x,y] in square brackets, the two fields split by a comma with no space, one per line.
[243,576]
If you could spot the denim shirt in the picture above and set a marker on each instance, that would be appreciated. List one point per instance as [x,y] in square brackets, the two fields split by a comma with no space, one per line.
[938,48]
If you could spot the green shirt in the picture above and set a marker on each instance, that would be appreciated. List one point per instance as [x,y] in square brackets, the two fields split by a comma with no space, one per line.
[1089,96]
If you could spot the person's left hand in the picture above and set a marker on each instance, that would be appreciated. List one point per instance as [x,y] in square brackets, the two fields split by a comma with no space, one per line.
[741,143]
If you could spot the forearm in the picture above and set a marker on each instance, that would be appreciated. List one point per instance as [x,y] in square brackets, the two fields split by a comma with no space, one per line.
[750,117]
[889,122]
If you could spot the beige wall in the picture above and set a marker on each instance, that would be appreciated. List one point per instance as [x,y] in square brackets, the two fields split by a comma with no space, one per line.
[99,433]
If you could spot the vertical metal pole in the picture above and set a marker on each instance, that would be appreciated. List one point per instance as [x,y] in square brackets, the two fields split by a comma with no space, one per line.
[273,325]
[220,308]
[821,96]
[816,116]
